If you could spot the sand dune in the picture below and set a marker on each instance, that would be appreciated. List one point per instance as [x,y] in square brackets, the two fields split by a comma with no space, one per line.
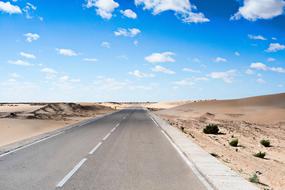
[22,121]
[18,108]
[262,109]
[250,120]
[164,105]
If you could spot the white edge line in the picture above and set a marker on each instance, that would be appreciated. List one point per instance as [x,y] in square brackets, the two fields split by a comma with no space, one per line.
[66,178]
[113,129]
[106,136]
[186,160]
[48,137]
[154,122]
[117,125]
[33,143]
[95,148]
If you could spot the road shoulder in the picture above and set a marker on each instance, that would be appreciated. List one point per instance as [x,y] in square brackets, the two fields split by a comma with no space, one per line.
[218,175]
[7,149]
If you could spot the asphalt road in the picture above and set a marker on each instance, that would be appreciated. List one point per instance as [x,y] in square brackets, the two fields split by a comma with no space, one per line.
[122,151]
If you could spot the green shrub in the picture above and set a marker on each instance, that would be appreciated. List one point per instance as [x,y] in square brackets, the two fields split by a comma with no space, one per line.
[211,129]
[265,143]
[234,142]
[254,178]
[260,154]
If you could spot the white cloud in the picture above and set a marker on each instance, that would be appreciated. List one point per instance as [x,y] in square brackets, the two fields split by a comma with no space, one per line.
[260,9]
[140,74]
[28,9]
[195,18]
[131,32]
[66,52]
[136,42]
[270,59]
[104,8]
[161,69]
[90,59]
[66,79]
[160,57]
[32,6]
[256,37]
[110,84]
[9,8]
[20,63]
[263,67]
[28,55]
[274,47]
[182,9]
[237,53]
[159,6]
[249,72]
[259,66]
[261,81]
[226,76]
[49,73]
[48,70]
[106,45]
[184,82]
[31,37]
[196,60]
[277,69]
[13,78]
[123,57]
[220,60]
[189,81]
[129,13]
[191,70]
[15,75]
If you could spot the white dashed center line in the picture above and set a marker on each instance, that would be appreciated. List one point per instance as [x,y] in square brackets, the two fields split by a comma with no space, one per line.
[70,174]
[26,146]
[105,138]
[66,178]
[95,148]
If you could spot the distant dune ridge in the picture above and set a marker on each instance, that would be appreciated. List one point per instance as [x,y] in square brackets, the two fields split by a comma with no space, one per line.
[54,111]
[249,120]
[275,100]
[259,109]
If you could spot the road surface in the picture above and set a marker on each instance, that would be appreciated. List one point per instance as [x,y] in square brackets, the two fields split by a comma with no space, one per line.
[122,151]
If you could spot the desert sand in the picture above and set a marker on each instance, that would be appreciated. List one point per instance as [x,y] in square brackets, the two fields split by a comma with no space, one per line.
[250,120]
[22,121]
[164,105]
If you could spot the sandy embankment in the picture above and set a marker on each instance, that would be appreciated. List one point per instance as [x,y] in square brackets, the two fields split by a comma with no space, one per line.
[22,121]
[250,120]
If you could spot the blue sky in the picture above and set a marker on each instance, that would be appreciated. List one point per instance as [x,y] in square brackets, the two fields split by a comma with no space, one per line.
[140,50]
